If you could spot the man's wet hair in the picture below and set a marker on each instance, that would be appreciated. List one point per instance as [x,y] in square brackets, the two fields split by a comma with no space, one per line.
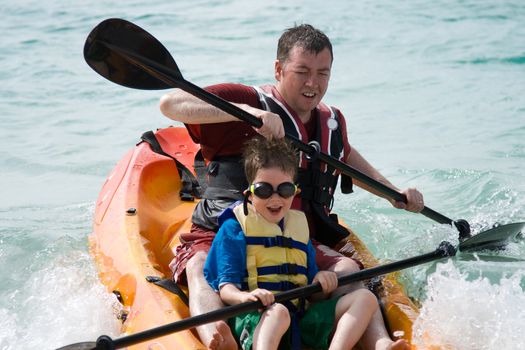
[305,36]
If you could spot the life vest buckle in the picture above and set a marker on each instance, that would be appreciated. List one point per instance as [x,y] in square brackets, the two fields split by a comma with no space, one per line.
[286,285]
[312,156]
[289,269]
[186,197]
[285,242]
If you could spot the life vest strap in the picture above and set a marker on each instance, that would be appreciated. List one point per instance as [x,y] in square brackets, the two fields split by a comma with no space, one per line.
[279,286]
[190,185]
[222,178]
[316,187]
[284,269]
[277,241]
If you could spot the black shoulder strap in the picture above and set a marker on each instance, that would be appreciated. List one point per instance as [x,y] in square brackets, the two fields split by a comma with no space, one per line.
[199,164]
[190,184]
[337,146]
[169,285]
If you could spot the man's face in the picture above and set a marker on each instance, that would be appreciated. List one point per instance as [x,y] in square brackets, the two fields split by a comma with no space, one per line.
[303,78]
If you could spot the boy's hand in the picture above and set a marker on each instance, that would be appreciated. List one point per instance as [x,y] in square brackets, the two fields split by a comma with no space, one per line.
[265,296]
[327,280]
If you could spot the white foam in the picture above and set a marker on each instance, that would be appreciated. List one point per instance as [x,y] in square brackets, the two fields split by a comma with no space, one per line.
[472,314]
[60,304]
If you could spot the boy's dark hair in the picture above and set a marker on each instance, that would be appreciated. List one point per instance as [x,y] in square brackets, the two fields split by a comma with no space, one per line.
[304,36]
[261,153]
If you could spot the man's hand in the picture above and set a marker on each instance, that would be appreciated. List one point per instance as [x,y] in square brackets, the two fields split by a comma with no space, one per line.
[415,202]
[272,123]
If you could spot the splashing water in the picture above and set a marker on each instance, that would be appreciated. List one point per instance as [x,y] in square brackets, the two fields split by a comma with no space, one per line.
[471,314]
[66,290]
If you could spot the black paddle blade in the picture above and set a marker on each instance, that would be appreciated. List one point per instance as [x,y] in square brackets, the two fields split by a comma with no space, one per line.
[89,345]
[110,49]
[494,238]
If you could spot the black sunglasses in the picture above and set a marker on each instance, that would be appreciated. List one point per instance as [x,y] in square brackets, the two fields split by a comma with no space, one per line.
[264,190]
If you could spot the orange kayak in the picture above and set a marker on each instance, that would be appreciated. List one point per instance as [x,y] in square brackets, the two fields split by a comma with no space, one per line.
[138,218]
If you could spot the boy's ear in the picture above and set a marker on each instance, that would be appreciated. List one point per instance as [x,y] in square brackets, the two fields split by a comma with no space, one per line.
[297,191]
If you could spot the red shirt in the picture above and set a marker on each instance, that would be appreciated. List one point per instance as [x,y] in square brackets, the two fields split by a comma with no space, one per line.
[225,138]
[228,138]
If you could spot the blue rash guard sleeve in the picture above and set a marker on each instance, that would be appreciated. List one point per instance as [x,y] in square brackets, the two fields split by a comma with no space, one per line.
[226,261]
[312,268]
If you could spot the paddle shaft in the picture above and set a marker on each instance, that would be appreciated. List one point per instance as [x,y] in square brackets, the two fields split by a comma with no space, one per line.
[445,249]
[174,78]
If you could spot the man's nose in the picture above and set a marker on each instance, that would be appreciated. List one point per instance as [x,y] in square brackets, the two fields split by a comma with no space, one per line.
[311,80]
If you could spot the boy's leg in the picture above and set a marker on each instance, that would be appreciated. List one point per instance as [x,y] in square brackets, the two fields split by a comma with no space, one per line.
[274,323]
[353,313]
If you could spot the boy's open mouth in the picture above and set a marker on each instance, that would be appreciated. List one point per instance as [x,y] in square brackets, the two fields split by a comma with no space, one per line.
[274,210]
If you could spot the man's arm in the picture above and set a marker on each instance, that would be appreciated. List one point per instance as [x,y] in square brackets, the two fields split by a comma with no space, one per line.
[180,106]
[415,202]
[186,108]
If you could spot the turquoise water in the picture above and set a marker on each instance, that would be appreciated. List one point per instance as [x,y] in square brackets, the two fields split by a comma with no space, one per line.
[433,95]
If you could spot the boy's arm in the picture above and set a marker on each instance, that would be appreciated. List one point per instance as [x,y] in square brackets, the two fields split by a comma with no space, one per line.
[328,281]
[226,259]
[231,295]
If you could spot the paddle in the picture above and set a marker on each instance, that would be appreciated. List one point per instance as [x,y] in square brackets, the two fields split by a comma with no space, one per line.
[126,54]
[486,240]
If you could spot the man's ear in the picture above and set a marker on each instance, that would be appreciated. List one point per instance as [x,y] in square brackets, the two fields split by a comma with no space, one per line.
[278,70]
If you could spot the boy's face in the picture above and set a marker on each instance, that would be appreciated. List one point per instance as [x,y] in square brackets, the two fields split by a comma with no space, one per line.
[275,207]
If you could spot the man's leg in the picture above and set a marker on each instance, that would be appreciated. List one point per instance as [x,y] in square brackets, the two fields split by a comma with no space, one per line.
[203,299]
[376,336]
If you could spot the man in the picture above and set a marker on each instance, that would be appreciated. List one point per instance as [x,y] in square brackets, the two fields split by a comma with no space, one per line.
[302,70]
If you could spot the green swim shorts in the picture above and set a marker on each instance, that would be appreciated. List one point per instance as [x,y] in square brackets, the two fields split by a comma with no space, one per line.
[316,326]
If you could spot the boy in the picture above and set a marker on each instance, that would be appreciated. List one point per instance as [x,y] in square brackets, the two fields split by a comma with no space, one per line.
[263,247]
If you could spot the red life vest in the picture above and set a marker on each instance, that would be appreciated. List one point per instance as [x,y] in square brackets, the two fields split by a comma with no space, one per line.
[317,180]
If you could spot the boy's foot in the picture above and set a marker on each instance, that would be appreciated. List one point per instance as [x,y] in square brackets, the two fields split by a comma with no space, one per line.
[222,338]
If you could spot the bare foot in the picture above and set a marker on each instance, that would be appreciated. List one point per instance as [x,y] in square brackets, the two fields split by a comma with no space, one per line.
[222,338]
[400,344]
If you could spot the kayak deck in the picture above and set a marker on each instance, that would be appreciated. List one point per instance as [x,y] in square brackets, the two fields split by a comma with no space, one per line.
[138,218]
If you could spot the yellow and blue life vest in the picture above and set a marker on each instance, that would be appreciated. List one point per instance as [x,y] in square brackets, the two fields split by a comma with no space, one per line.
[276,257]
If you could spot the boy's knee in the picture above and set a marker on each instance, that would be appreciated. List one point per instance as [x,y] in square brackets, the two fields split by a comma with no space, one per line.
[367,297]
[282,312]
